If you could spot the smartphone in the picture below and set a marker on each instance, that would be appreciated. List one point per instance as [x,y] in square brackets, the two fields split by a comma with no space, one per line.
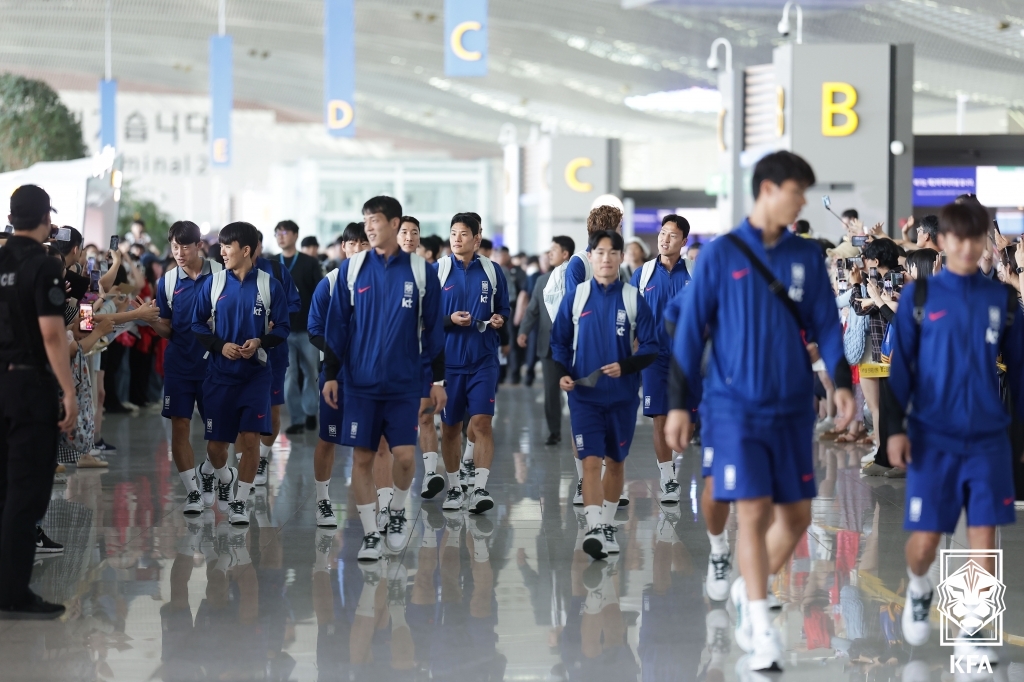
[9,229]
[826,202]
[90,264]
[873,273]
[60,234]
[114,241]
[887,287]
[859,241]
[94,280]
[85,317]
[897,279]
[943,261]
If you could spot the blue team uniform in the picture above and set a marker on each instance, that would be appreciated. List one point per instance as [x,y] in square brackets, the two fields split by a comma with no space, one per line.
[277,357]
[660,290]
[184,364]
[946,367]
[471,356]
[376,348]
[575,273]
[237,392]
[330,418]
[603,416]
[757,420]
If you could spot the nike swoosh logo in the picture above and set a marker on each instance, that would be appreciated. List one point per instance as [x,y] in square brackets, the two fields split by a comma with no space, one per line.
[449,288]
[492,400]
[276,392]
[740,274]
[179,291]
[936,315]
[585,313]
[807,478]
[622,444]
[222,297]
[260,416]
[363,290]
[649,288]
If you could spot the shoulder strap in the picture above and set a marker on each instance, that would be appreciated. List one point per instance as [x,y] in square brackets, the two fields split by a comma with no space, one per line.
[444,268]
[920,298]
[488,265]
[419,274]
[646,273]
[332,280]
[355,263]
[275,265]
[170,281]
[263,288]
[629,299]
[554,290]
[691,266]
[582,255]
[774,284]
[215,266]
[579,302]
[216,288]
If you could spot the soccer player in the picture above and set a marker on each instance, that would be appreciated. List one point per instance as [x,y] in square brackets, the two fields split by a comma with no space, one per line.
[949,331]
[757,418]
[381,326]
[184,361]
[353,239]
[592,339]
[236,393]
[474,302]
[658,281]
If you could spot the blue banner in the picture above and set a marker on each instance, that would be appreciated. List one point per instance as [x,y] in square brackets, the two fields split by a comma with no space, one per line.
[221,100]
[108,113]
[340,67]
[939,185]
[465,38]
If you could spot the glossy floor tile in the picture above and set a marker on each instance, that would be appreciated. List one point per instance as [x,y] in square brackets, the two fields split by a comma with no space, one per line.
[152,595]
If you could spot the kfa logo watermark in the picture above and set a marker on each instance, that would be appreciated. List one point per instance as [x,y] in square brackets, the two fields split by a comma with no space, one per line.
[971,604]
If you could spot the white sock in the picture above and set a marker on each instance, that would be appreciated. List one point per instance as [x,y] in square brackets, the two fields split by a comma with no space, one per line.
[481,478]
[242,494]
[223,474]
[322,490]
[608,510]
[480,551]
[188,477]
[467,456]
[667,472]
[453,479]
[429,539]
[920,584]
[430,462]
[397,613]
[454,537]
[366,598]
[265,451]
[368,515]
[719,543]
[384,496]
[579,468]
[758,610]
[398,499]
[207,468]
[593,514]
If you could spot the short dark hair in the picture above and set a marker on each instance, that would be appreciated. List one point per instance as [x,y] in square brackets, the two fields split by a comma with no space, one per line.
[309,241]
[682,223]
[245,234]
[803,227]
[923,260]
[140,221]
[67,247]
[432,244]
[967,220]
[486,244]
[259,236]
[567,244]
[693,245]
[184,232]
[930,226]
[289,225]
[389,206]
[779,167]
[596,237]
[533,260]
[850,213]
[410,219]
[470,220]
[884,251]
[354,232]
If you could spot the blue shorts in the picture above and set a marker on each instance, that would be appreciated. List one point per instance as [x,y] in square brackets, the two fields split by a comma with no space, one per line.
[233,409]
[366,420]
[655,384]
[277,383]
[470,394]
[330,418]
[751,460]
[941,483]
[602,431]
[181,396]
[428,382]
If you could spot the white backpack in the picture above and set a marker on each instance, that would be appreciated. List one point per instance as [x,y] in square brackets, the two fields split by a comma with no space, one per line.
[444,268]
[263,291]
[332,280]
[554,290]
[174,275]
[648,271]
[419,274]
[579,302]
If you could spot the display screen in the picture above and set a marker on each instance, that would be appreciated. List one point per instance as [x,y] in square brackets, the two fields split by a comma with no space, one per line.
[995,186]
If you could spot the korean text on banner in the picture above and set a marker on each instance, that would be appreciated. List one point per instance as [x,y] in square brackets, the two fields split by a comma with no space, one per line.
[221,100]
[465,38]
[339,67]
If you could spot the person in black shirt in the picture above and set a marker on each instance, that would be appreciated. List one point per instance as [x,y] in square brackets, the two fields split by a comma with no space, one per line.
[303,403]
[33,365]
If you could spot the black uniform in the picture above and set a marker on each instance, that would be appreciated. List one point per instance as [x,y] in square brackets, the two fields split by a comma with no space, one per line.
[31,286]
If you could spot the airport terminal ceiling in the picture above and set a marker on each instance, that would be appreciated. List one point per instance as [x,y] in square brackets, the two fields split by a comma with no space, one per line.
[569,65]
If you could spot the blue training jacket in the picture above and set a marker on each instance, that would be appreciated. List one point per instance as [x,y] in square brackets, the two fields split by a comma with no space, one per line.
[375,343]
[575,274]
[466,349]
[316,323]
[603,339]
[946,366]
[239,318]
[659,293]
[278,357]
[183,357]
[758,366]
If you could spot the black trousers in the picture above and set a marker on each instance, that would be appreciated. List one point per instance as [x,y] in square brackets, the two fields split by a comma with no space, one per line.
[552,396]
[112,358]
[139,367]
[887,404]
[28,456]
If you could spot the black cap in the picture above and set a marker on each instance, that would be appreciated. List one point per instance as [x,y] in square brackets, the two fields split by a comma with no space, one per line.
[29,205]
[309,241]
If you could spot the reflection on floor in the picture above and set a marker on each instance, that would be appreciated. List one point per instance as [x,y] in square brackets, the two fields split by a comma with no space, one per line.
[507,596]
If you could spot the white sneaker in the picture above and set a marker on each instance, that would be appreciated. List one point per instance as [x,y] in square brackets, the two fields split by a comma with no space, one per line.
[916,626]
[868,458]
[226,491]
[324,543]
[370,549]
[577,499]
[767,652]
[624,497]
[773,602]
[467,474]
[325,517]
[206,486]
[433,484]
[193,504]
[455,499]
[383,516]
[825,424]
[261,473]
[593,543]
[237,514]
[717,624]
[719,572]
[610,544]
[480,501]
[480,527]
[669,492]
[964,649]
[399,530]
[742,633]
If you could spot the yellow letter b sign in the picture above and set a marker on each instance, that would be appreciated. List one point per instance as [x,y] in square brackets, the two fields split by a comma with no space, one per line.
[831,108]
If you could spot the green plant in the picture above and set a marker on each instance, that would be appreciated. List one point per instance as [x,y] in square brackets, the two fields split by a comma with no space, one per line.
[132,208]
[35,125]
